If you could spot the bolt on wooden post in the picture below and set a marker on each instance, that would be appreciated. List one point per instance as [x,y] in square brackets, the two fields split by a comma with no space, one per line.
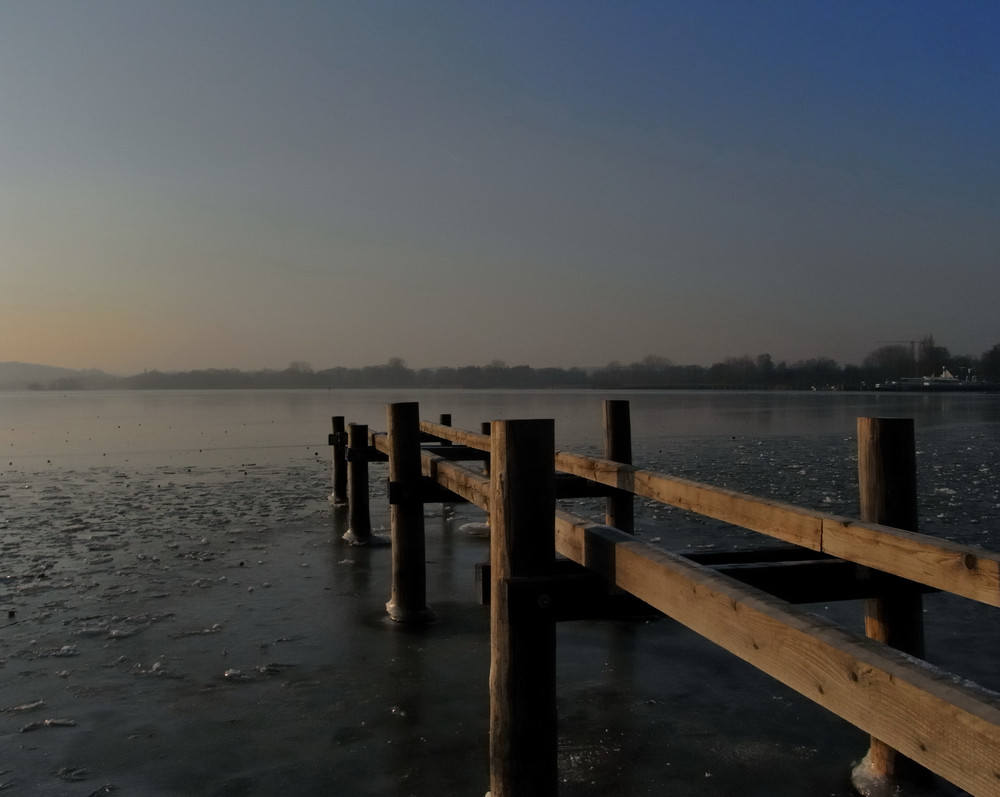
[620,507]
[523,645]
[408,602]
[887,482]
[359,522]
[338,441]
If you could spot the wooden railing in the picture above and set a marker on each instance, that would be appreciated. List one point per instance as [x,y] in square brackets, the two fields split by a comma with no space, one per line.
[947,725]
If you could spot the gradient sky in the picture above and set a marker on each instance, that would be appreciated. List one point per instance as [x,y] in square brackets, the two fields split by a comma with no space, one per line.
[193,184]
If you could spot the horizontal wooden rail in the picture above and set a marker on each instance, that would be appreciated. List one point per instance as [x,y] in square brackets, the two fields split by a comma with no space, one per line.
[961,569]
[461,480]
[932,717]
[458,436]
[928,715]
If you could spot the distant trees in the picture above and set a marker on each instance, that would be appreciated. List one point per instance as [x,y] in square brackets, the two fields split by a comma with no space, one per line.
[733,373]
[932,359]
[889,362]
[821,373]
[925,358]
[886,363]
[746,372]
[989,365]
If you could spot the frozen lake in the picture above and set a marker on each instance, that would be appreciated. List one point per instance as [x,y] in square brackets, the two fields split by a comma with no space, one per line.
[183,618]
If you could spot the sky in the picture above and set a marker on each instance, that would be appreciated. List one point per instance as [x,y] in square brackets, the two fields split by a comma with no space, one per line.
[225,184]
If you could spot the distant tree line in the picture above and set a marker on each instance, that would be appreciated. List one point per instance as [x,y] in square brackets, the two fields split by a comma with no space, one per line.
[887,363]
[394,374]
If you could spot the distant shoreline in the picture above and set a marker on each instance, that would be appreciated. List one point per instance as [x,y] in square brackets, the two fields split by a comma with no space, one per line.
[651,373]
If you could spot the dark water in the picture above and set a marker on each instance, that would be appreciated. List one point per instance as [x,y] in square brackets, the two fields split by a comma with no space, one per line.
[180,607]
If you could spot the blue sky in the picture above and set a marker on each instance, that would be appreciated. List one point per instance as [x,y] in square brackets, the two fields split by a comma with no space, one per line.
[244,184]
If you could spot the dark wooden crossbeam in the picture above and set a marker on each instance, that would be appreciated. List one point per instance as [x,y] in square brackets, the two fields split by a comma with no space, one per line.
[570,592]
[427,490]
[569,486]
[794,575]
[798,575]
[459,453]
[366,454]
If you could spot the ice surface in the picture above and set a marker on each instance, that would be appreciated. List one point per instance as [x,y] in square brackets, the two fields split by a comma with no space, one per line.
[195,624]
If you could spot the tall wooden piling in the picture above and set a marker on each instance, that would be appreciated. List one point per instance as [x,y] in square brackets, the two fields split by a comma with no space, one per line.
[359,522]
[408,602]
[522,667]
[484,428]
[444,419]
[338,442]
[887,482]
[620,507]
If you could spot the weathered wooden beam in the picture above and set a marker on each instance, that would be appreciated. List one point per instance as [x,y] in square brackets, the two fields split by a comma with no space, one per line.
[951,567]
[970,572]
[798,575]
[620,505]
[784,521]
[462,481]
[572,592]
[457,436]
[961,569]
[426,491]
[569,486]
[887,485]
[523,734]
[460,453]
[887,482]
[485,428]
[359,522]
[816,581]
[366,454]
[408,601]
[783,553]
[950,726]
[338,442]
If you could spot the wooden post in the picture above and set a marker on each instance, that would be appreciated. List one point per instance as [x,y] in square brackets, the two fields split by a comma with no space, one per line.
[887,482]
[620,508]
[522,666]
[408,602]
[338,440]
[447,507]
[359,523]
[485,427]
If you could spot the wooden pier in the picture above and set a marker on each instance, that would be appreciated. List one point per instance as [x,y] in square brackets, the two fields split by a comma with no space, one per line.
[548,565]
